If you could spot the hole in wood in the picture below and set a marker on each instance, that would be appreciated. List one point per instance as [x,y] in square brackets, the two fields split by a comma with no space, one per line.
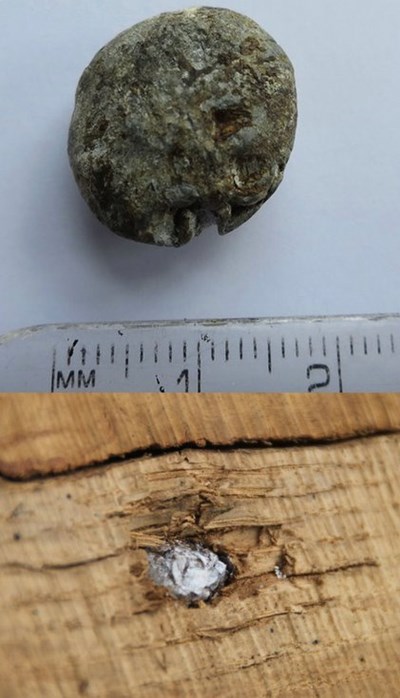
[189,571]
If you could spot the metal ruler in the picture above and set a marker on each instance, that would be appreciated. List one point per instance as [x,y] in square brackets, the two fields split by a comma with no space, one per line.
[335,354]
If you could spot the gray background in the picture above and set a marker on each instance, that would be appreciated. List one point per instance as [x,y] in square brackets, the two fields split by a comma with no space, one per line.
[328,242]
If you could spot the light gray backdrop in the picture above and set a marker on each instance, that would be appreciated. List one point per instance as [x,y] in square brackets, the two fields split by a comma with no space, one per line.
[329,240]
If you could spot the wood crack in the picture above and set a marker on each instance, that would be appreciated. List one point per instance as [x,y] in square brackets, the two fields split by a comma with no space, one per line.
[334,570]
[213,632]
[156,450]
[46,567]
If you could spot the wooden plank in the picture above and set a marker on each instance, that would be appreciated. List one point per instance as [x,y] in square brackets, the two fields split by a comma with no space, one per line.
[79,615]
[54,433]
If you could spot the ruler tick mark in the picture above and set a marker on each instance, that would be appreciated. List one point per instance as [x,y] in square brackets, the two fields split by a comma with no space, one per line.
[339,364]
[98,354]
[184,350]
[324,345]
[53,370]
[170,353]
[365,346]
[112,353]
[310,345]
[351,345]
[127,361]
[198,367]
[70,351]
[212,351]
[141,353]
[241,348]
[255,349]
[83,352]
[156,353]
[269,357]
[226,350]
[392,345]
[378,344]
[283,348]
[296,347]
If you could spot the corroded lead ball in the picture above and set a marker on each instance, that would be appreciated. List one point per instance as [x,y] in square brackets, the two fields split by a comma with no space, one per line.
[182,120]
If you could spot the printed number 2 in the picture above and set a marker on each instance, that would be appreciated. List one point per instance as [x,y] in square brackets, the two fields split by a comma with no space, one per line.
[318,367]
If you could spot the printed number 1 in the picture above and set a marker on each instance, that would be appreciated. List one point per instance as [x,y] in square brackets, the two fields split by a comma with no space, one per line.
[184,376]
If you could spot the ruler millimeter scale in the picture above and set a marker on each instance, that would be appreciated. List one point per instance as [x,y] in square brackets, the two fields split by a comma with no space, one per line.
[335,354]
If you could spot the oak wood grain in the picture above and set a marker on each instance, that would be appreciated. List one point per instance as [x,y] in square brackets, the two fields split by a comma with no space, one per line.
[79,615]
[54,433]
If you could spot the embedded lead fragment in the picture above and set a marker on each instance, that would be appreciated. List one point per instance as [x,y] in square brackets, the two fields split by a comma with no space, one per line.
[189,572]
[279,573]
[183,120]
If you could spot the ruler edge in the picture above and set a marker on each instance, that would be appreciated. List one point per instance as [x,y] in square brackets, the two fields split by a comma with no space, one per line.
[31,331]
